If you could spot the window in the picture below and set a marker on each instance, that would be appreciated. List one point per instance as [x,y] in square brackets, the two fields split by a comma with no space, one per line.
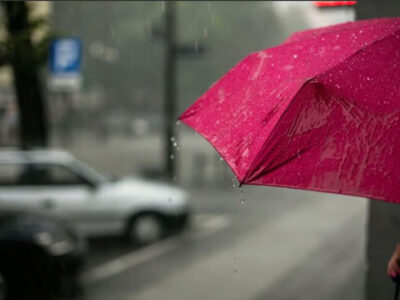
[47,174]
[9,174]
[38,174]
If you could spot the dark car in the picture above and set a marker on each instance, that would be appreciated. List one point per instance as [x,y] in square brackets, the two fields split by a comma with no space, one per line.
[39,257]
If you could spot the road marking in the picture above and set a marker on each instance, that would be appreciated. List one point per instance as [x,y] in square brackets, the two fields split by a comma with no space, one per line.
[202,227]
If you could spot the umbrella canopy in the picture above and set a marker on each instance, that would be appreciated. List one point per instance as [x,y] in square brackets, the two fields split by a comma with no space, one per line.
[319,112]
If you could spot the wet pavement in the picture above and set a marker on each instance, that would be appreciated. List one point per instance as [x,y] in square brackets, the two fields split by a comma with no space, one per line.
[276,244]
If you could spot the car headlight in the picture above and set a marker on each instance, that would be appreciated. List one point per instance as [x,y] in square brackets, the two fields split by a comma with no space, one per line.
[56,246]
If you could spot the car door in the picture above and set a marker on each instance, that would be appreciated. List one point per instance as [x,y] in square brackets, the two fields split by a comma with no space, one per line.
[68,194]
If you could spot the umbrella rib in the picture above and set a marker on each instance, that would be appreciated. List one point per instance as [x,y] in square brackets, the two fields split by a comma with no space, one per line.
[258,156]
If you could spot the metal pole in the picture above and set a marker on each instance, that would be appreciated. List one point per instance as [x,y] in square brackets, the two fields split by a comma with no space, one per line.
[170,88]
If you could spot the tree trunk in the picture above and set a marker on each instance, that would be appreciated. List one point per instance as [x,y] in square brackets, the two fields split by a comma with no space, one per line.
[33,123]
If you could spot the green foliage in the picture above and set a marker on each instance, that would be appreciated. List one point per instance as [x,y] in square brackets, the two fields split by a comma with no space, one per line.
[40,46]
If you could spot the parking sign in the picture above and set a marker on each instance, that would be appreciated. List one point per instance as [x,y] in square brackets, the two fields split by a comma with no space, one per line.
[65,63]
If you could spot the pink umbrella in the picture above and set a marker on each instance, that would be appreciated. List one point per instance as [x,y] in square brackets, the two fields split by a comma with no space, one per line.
[319,112]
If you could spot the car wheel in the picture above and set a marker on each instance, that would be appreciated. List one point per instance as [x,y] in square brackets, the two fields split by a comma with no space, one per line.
[145,229]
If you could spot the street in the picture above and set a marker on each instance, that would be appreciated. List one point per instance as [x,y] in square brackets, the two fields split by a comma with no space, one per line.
[117,122]
[264,243]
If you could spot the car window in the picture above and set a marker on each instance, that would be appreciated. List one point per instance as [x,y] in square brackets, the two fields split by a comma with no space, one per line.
[9,174]
[47,174]
[38,174]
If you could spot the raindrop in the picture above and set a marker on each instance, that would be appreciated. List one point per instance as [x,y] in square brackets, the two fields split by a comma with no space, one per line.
[175,144]
[295,56]
[172,157]
[178,123]
[211,14]
[368,79]
[242,200]
[112,31]
[172,139]
[221,159]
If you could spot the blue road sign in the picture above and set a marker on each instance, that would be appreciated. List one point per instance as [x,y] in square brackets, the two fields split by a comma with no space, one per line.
[65,56]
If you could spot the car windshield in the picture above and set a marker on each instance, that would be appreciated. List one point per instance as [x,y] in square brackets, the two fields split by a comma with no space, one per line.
[90,173]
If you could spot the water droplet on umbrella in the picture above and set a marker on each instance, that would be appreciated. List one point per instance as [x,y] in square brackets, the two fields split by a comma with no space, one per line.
[295,56]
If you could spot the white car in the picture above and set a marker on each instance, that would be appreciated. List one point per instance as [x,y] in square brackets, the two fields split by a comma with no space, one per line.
[63,186]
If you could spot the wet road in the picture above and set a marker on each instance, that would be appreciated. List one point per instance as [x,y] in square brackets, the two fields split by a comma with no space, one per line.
[277,244]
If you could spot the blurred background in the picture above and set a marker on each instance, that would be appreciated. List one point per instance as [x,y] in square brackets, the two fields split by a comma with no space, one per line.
[104,83]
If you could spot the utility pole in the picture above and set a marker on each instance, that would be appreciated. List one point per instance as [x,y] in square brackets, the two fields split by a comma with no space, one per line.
[174,50]
[170,88]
